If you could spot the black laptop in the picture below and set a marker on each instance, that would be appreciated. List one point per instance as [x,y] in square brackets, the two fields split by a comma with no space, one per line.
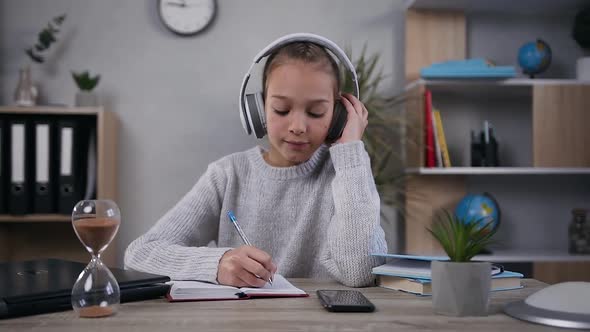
[39,286]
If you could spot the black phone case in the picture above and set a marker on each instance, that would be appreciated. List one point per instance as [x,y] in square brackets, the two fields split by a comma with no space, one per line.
[354,305]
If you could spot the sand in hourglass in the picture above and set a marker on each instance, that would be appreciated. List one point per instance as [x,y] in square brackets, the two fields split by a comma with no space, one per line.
[95,233]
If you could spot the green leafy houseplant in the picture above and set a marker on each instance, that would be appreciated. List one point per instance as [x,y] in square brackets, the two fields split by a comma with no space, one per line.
[45,39]
[383,134]
[84,81]
[462,239]
[461,287]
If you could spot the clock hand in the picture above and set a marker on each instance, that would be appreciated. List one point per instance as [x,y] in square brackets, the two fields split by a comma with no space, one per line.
[176,4]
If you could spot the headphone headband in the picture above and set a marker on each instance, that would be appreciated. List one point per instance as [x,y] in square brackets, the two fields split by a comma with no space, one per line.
[287,39]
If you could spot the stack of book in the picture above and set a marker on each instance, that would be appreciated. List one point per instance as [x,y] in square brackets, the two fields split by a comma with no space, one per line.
[412,274]
[436,149]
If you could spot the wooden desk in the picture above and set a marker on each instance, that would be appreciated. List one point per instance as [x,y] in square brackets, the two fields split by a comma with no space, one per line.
[396,311]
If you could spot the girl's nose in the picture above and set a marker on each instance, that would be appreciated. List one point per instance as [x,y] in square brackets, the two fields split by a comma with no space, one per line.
[297,124]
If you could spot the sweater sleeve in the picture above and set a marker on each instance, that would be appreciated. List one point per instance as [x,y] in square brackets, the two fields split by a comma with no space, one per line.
[176,245]
[354,231]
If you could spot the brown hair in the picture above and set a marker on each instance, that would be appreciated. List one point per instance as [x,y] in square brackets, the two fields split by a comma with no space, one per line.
[307,52]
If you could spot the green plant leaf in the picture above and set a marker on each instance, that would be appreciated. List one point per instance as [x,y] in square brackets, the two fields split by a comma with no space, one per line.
[84,81]
[462,239]
[34,56]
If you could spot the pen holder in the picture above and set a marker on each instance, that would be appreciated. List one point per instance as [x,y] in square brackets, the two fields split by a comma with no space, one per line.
[484,154]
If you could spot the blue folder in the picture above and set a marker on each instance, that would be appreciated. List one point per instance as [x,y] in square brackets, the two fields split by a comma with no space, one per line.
[470,68]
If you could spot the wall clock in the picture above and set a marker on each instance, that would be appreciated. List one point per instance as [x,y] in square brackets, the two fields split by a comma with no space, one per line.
[187,17]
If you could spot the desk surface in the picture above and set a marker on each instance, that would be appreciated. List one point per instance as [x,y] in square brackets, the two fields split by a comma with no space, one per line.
[396,311]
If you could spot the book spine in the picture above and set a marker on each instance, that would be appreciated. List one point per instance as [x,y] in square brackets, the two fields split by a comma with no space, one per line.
[429,134]
[437,151]
[442,139]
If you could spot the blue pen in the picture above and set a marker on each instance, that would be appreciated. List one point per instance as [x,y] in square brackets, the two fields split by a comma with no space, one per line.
[234,221]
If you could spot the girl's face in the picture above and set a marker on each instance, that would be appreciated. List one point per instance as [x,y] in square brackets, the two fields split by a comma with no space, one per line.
[299,103]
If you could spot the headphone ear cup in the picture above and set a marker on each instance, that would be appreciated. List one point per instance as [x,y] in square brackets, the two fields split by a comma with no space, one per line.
[338,122]
[255,113]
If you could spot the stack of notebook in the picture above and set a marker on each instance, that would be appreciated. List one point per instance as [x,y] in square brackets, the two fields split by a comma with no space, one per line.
[412,274]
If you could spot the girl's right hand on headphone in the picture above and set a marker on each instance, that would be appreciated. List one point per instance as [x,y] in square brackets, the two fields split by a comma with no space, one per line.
[245,266]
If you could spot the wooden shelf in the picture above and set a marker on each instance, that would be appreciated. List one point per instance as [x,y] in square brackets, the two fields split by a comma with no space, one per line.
[487,83]
[499,170]
[532,256]
[47,110]
[24,237]
[490,88]
[527,7]
[35,218]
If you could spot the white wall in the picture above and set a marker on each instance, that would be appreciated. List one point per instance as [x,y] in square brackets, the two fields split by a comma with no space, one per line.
[176,97]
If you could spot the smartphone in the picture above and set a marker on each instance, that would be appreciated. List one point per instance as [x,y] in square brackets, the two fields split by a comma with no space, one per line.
[344,301]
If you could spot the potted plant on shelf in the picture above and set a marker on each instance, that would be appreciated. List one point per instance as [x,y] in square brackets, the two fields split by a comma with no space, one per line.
[85,82]
[26,92]
[461,287]
[382,140]
[581,34]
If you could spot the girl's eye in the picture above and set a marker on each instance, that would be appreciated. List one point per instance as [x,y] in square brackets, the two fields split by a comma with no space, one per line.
[281,113]
[316,115]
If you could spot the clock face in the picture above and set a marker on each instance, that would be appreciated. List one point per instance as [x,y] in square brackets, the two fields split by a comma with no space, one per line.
[186,17]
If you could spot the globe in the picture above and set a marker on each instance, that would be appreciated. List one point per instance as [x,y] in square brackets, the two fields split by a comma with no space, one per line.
[534,57]
[480,208]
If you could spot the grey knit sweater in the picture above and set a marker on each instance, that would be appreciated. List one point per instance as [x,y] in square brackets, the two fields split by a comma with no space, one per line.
[319,219]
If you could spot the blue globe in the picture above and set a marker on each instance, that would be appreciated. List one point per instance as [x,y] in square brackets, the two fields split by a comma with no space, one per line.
[481,208]
[534,57]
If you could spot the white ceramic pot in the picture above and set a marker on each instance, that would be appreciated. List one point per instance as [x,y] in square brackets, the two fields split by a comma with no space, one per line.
[583,69]
[86,98]
[461,289]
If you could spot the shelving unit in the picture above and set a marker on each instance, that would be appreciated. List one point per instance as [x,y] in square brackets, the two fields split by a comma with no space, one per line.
[33,236]
[544,143]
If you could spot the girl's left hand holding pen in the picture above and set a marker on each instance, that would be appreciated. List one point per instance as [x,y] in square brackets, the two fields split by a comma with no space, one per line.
[240,267]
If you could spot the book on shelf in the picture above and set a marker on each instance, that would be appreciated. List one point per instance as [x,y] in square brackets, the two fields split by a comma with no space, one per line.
[183,290]
[428,130]
[506,280]
[441,139]
[437,148]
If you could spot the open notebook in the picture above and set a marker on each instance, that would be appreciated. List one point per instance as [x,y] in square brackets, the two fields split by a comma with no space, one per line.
[203,291]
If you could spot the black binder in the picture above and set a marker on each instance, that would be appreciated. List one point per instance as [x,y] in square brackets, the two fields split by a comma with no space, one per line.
[3,165]
[20,137]
[72,138]
[44,175]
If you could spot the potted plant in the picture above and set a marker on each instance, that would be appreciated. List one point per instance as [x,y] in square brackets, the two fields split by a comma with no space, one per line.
[26,93]
[382,140]
[581,34]
[461,287]
[86,82]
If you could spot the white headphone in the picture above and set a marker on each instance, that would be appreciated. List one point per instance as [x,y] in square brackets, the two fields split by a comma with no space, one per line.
[252,105]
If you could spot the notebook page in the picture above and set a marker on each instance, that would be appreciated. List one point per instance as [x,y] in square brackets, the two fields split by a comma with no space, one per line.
[280,285]
[196,289]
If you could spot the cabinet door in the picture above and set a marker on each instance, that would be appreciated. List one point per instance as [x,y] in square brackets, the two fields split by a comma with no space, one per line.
[555,272]
[561,117]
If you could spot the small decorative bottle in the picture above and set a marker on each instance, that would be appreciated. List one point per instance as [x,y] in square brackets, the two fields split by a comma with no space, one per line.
[25,93]
[579,233]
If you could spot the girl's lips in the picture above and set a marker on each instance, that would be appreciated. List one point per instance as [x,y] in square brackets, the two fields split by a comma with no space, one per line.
[297,145]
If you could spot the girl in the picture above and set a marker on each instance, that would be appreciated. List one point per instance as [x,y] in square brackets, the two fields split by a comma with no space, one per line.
[309,208]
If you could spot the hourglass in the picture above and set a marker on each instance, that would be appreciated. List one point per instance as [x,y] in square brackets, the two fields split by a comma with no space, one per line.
[96,292]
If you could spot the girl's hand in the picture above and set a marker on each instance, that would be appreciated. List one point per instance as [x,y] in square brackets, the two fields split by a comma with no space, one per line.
[245,266]
[357,119]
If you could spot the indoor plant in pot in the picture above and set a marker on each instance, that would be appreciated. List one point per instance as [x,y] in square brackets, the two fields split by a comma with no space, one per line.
[382,139]
[461,287]
[26,92]
[85,82]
